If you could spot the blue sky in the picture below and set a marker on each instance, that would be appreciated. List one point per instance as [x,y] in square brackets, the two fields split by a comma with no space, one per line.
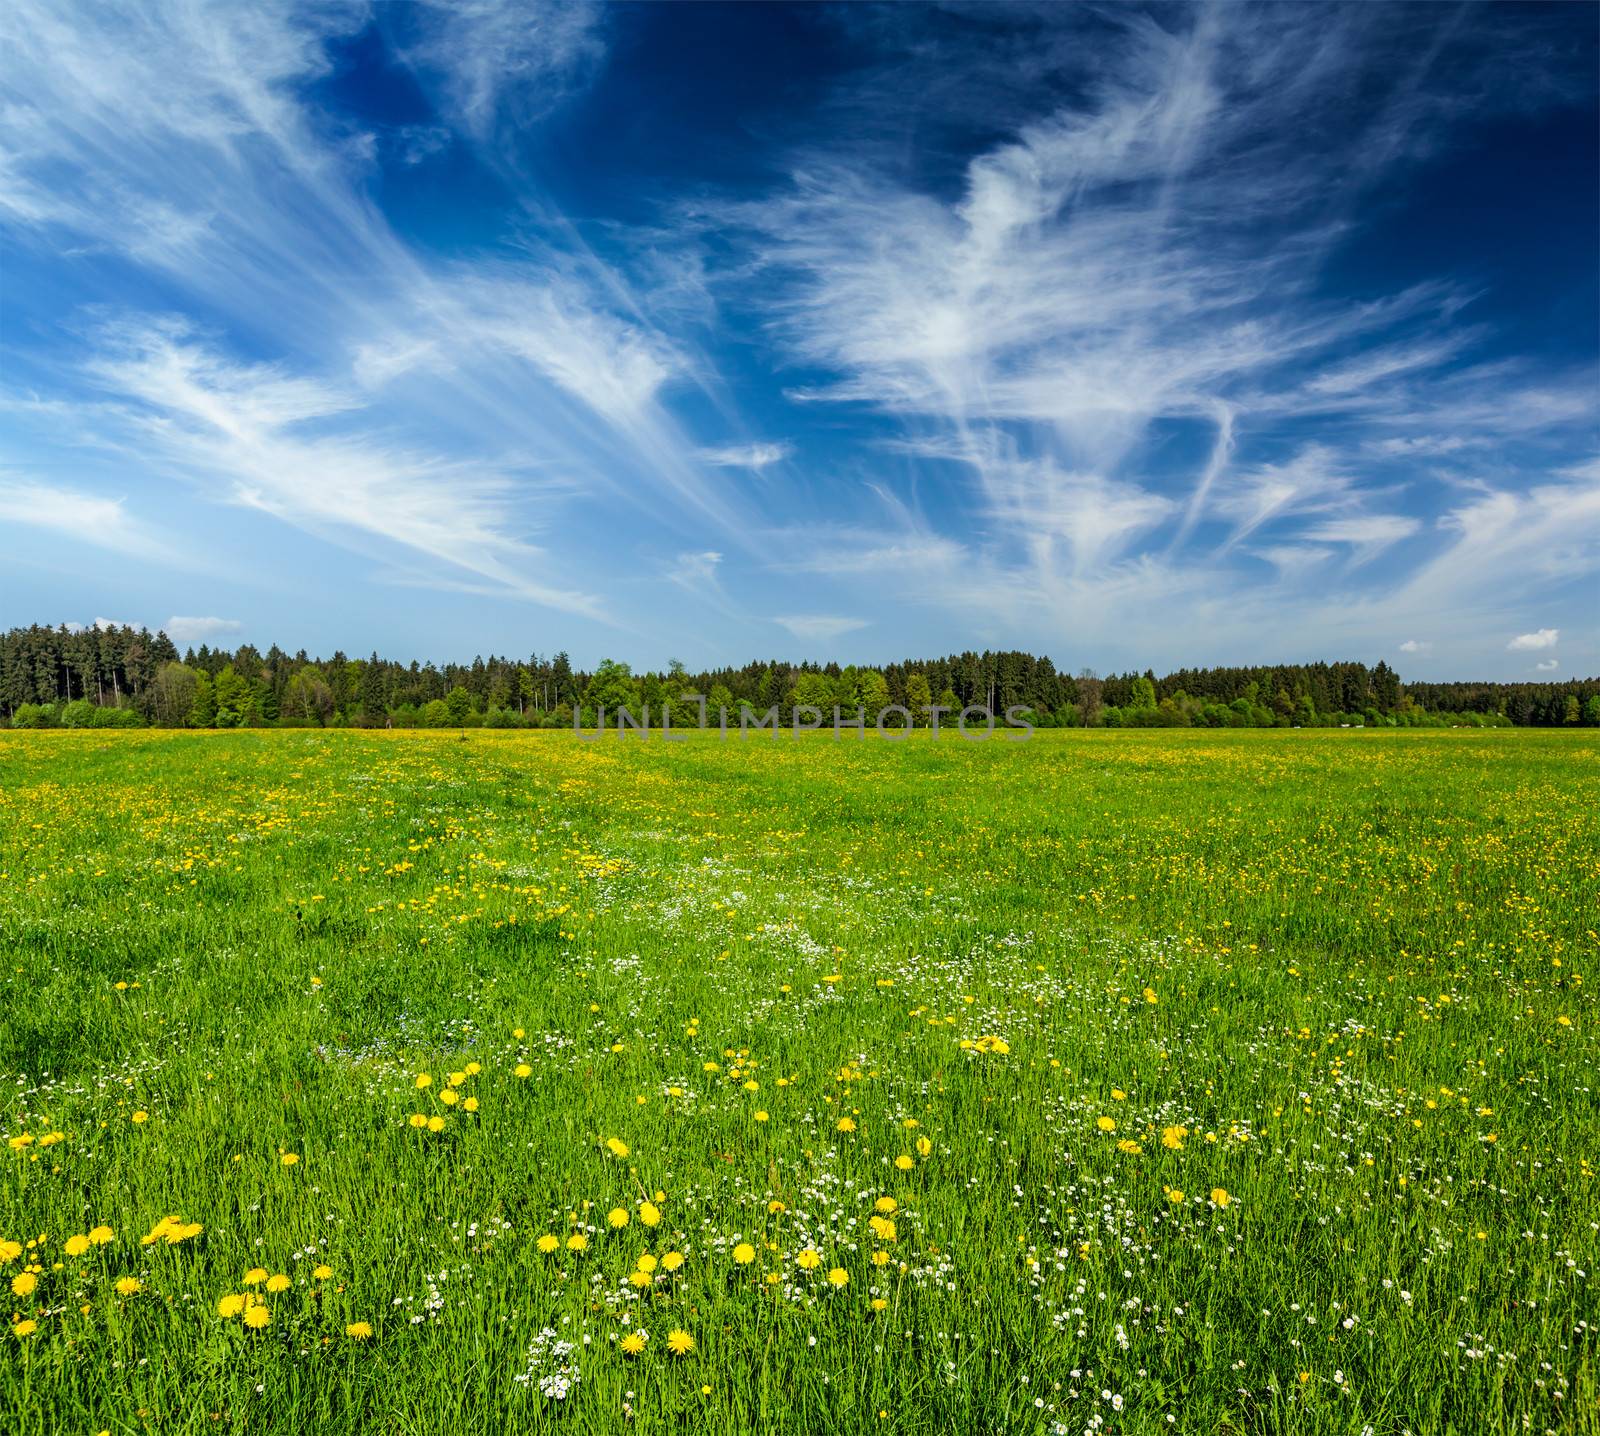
[1134,335]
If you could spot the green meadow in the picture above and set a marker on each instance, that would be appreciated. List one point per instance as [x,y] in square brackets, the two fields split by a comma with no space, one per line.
[1168,1081]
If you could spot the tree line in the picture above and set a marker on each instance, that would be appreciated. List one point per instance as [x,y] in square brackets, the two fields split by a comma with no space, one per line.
[110,676]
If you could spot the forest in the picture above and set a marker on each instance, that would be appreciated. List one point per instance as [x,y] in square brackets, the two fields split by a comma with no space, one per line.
[110,676]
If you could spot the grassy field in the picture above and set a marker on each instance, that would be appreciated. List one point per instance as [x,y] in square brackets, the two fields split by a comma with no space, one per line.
[1119,1082]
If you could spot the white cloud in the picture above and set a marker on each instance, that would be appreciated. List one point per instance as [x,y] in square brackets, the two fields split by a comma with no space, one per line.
[242,431]
[1549,665]
[1415,645]
[1368,535]
[745,456]
[199,630]
[438,405]
[839,551]
[1293,560]
[1531,642]
[485,56]
[74,517]
[696,571]
[818,628]
[1138,390]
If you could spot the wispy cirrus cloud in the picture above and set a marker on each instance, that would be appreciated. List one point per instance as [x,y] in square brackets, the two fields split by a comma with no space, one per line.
[755,456]
[1089,322]
[347,382]
[250,435]
[200,630]
[488,61]
[71,516]
[819,628]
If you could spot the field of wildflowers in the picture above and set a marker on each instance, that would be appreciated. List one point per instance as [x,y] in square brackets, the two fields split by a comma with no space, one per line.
[1108,1082]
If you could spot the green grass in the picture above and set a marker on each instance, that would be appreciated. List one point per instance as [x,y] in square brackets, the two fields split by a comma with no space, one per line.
[1360,948]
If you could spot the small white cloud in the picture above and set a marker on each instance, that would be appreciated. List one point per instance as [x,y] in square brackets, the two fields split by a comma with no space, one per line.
[190,630]
[1532,642]
[696,570]
[77,516]
[1548,666]
[374,365]
[819,628]
[1415,645]
[746,456]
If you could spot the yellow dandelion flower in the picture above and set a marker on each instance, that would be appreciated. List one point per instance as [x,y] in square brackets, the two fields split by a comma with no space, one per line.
[633,1343]
[323,1272]
[1106,1124]
[278,1283]
[679,1342]
[1220,1196]
[76,1246]
[101,1235]
[744,1253]
[618,1218]
[230,1306]
[808,1260]
[129,1286]
[358,1330]
[257,1317]
[838,1277]
[24,1328]
[649,1214]
[24,1284]
[578,1242]
[255,1276]
[548,1243]
[672,1261]
[522,1070]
